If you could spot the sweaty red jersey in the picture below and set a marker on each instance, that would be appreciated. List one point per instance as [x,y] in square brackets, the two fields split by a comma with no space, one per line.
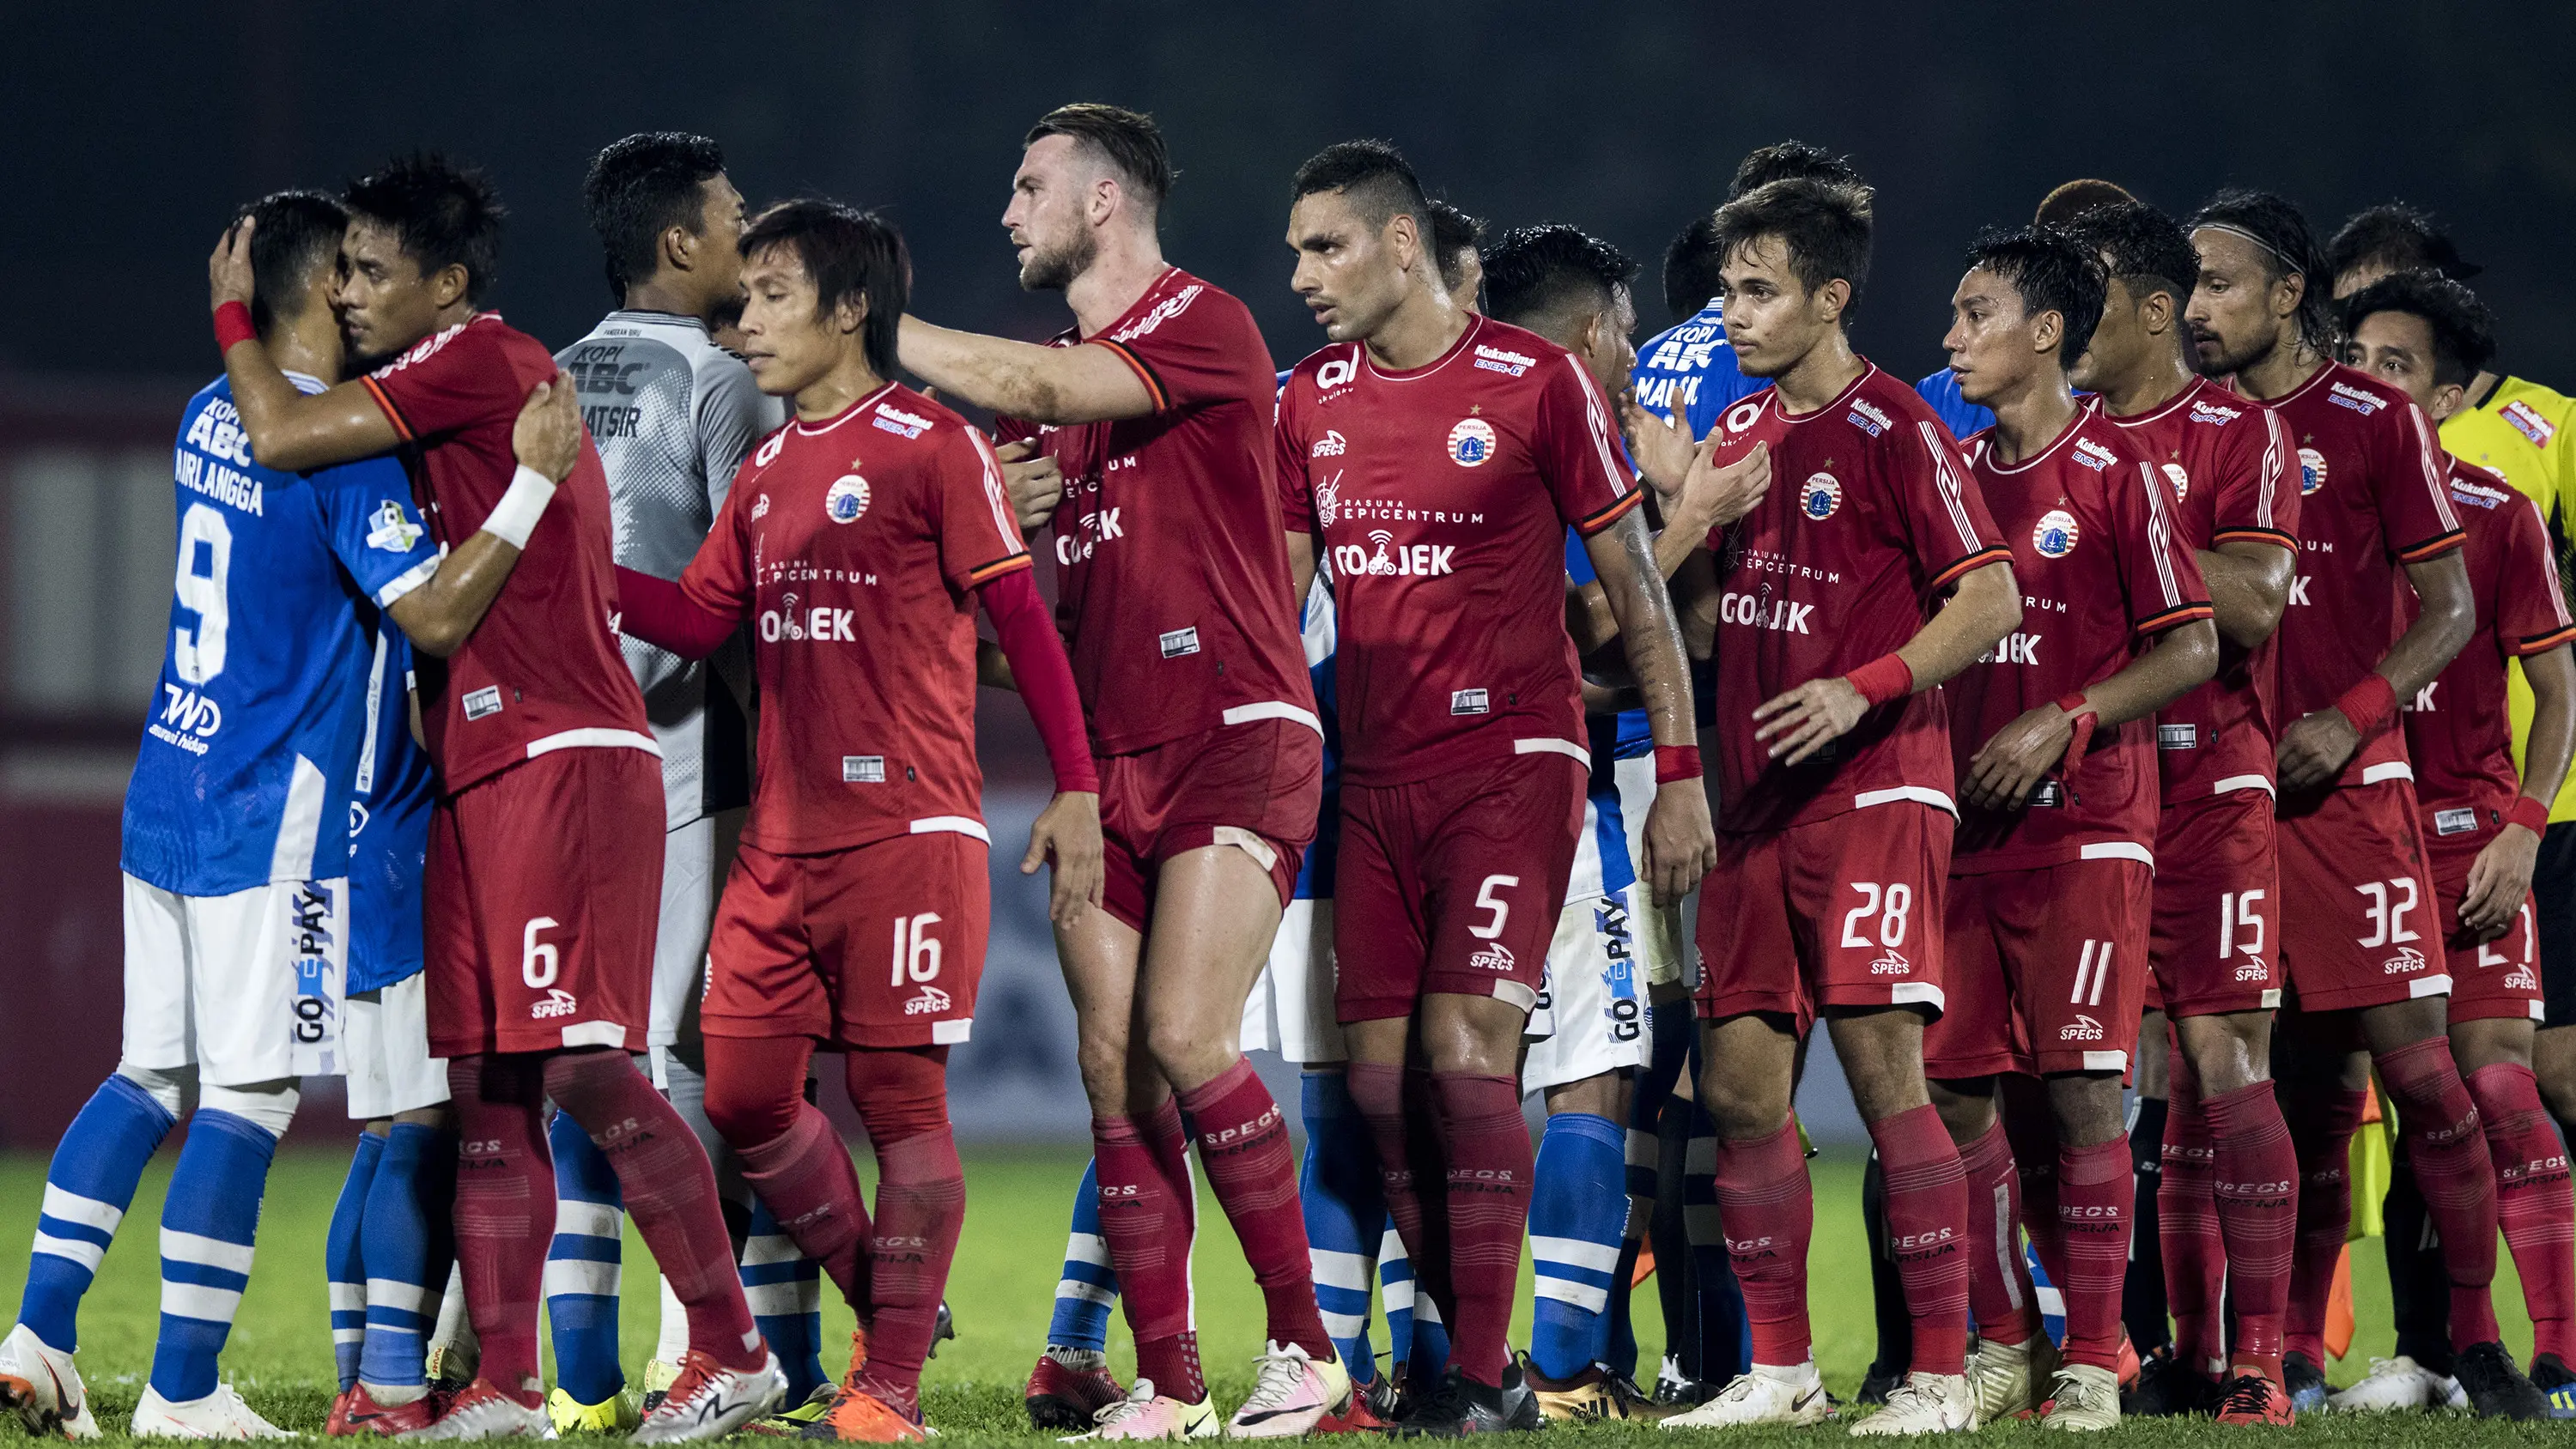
[856,545]
[2228,459]
[542,671]
[2456,728]
[2090,519]
[1173,567]
[1870,515]
[2372,500]
[1442,495]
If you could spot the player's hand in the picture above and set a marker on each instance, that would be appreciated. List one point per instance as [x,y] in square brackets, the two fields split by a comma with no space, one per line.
[1681,846]
[2003,773]
[548,435]
[1721,495]
[1662,446]
[1036,484]
[2314,747]
[1069,830]
[1808,718]
[228,275]
[2499,882]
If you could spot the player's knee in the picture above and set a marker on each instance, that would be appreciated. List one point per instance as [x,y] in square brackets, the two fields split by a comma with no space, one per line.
[268,1105]
[175,1088]
[1742,1109]
[748,1118]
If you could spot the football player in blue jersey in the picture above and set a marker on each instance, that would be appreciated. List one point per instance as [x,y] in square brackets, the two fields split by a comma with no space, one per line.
[237,919]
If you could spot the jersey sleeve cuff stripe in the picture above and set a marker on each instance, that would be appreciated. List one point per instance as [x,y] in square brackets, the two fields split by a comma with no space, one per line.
[1996,553]
[1144,373]
[986,573]
[417,575]
[2542,643]
[2432,547]
[2256,535]
[393,414]
[2171,618]
[1611,514]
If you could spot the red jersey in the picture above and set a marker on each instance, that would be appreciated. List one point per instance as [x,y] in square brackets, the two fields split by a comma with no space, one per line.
[542,671]
[2090,518]
[1870,516]
[1172,564]
[2456,727]
[2228,459]
[1441,496]
[856,545]
[2372,500]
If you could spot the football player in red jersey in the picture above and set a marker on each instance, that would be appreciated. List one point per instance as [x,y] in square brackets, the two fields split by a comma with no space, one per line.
[2356,898]
[860,538]
[2427,334]
[1156,406]
[2046,931]
[2216,897]
[1836,777]
[545,861]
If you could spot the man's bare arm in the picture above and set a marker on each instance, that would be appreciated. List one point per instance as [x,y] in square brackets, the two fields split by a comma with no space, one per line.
[2316,744]
[1301,571]
[2249,583]
[1984,606]
[1022,379]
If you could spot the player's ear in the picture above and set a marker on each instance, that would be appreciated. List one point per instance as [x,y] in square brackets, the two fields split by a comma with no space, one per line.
[2157,312]
[2287,294]
[852,314]
[1405,238]
[679,248]
[1832,298]
[2446,399]
[2046,331]
[449,286]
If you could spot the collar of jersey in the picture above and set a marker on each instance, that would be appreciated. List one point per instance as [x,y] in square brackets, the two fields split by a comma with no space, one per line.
[2190,391]
[805,429]
[647,314]
[2320,375]
[1771,396]
[1474,328]
[2073,426]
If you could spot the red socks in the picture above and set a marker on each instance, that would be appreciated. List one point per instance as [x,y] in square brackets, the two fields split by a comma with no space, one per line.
[2257,1189]
[1148,1212]
[790,1154]
[2449,1150]
[1243,1145]
[2187,1227]
[1386,1098]
[1487,1184]
[2321,1139]
[1927,1233]
[2097,1197]
[2532,1199]
[1769,1208]
[1999,1288]
[505,1212]
[902,1097]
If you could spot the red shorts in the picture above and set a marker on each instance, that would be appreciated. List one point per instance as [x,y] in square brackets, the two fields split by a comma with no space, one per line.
[2216,941]
[1453,884]
[2044,970]
[880,945]
[1841,912]
[1257,785]
[2357,917]
[2498,979]
[539,905]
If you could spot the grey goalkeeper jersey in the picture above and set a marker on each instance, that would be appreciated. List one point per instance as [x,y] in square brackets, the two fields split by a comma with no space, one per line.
[673,416]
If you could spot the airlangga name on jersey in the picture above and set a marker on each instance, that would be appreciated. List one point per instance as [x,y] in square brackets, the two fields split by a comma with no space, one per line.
[218,435]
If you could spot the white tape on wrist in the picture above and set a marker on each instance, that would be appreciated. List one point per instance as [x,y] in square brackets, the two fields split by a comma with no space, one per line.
[516,515]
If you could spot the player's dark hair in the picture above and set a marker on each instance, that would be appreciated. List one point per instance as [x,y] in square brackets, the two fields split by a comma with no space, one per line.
[850,254]
[2146,249]
[641,187]
[1690,268]
[1781,161]
[1824,224]
[2051,271]
[2463,329]
[442,213]
[298,233]
[1537,276]
[2071,199]
[1454,231]
[2398,237]
[1128,140]
[2281,234]
[1376,179]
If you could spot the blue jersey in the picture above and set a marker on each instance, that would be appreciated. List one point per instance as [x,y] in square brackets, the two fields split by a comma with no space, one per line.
[1602,854]
[388,825]
[254,734]
[1961,416]
[1693,360]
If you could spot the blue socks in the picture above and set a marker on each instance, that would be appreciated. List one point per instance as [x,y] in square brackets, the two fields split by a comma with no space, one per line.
[407,1244]
[1345,1208]
[343,1261]
[583,1265]
[207,1229]
[786,1296]
[88,1187]
[1084,1295]
[1578,1212]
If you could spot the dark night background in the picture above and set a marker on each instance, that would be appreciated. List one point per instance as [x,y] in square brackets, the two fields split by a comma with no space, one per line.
[133,130]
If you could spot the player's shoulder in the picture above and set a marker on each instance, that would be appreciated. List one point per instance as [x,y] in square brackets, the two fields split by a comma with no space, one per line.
[2347,387]
[1178,303]
[2205,404]
[483,337]
[921,425]
[1324,374]
[1516,354]
[1882,410]
[2480,488]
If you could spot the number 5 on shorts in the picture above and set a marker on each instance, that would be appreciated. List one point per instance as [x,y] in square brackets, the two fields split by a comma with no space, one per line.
[1897,899]
[539,963]
[1486,901]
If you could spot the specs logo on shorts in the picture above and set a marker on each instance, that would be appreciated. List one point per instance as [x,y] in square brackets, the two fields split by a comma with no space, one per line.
[1493,957]
[1820,497]
[2253,970]
[2082,1028]
[930,1002]
[2521,979]
[1471,442]
[1890,963]
[2406,962]
[558,1002]
[846,499]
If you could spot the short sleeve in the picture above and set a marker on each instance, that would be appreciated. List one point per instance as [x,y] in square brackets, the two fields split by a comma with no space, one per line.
[1575,451]
[2159,576]
[2415,513]
[1942,514]
[1192,349]
[719,579]
[979,540]
[733,415]
[447,384]
[2531,606]
[375,530]
[1296,487]
[2253,503]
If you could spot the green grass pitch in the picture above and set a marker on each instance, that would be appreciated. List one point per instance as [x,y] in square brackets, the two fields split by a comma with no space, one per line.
[1002,1290]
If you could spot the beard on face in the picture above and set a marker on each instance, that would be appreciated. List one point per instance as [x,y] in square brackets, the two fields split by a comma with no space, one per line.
[1052,269]
[2225,362]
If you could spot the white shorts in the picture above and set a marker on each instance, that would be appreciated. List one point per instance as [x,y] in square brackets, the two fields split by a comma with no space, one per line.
[1290,1010]
[1662,940]
[245,987]
[385,1049]
[1590,1019]
[689,889]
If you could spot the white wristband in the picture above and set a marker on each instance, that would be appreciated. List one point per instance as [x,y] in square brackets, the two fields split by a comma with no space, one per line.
[516,515]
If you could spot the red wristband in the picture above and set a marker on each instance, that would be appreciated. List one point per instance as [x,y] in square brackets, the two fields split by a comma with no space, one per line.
[1882,679]
[2530,814]
[1676,762]
[233,326]
[2369,703]
[2075,703]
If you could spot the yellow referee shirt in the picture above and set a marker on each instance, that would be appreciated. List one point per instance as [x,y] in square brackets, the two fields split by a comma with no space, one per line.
[2527,433]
